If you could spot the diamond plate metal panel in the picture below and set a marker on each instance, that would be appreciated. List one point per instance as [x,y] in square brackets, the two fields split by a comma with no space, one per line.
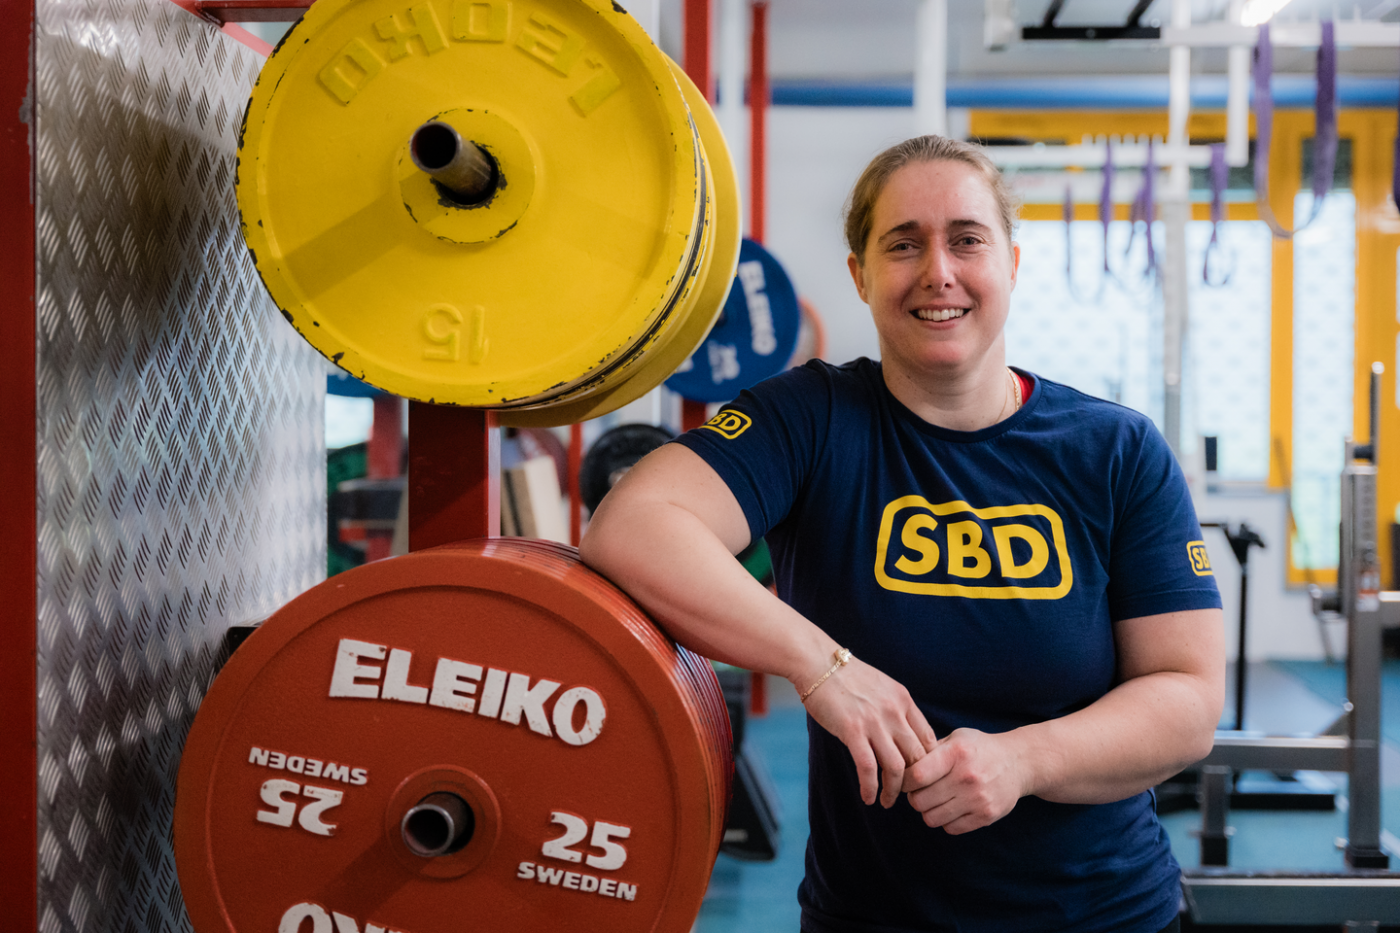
[181,458]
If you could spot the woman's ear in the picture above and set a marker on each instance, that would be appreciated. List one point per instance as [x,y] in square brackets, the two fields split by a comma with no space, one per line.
[1015,262]
[858,275]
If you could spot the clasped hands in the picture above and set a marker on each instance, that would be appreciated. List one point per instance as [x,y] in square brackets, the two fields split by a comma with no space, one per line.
[965,781]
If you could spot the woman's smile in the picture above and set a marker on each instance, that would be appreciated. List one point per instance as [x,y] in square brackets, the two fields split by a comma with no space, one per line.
[940,314]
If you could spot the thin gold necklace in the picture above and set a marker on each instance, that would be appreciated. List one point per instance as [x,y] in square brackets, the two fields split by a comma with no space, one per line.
[1015,388]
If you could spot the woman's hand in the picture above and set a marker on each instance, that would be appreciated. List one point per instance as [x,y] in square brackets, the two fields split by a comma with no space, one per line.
[970,780]
[877,721]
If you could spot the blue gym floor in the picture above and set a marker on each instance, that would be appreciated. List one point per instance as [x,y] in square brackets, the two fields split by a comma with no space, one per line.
[1284,697]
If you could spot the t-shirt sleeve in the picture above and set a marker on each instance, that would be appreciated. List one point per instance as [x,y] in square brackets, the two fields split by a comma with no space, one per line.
[765,443]
[1158,561]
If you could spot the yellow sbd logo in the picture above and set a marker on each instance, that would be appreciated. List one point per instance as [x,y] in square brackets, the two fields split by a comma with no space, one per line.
[1200,559]
[729,423]
[952,549]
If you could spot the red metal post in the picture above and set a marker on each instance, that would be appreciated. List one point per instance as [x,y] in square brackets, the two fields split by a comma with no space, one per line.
[575,495]
[758,121]
[19,802]
[454,475]
[384,460]
[758,693]
[692,414]
[699,58]
[699,66]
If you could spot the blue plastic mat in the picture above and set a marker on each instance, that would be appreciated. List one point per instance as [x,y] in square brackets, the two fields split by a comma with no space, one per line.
[1329,681]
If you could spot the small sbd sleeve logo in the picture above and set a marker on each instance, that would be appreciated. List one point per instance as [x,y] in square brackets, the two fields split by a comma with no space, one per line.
[952,549]
[1200,559]
[729,423]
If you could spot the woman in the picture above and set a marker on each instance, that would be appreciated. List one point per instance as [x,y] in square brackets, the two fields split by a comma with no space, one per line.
[1014,567]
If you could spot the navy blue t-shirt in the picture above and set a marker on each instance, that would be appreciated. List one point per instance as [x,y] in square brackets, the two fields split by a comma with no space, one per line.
[983,571]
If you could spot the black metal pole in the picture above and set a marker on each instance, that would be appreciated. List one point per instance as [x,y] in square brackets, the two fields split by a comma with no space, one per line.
[1241,665]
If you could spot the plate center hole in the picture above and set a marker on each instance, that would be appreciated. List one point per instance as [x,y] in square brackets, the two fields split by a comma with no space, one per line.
[464,173]
[439,824]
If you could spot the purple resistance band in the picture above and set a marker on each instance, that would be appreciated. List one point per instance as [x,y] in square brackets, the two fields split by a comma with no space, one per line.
[1106,199]
[1144,208]
[1324,136]
[1395,169]
[1069,237]
[1105,218]
[1219,176]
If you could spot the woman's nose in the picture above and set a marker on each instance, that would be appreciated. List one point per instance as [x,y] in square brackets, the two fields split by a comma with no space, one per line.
[937,272]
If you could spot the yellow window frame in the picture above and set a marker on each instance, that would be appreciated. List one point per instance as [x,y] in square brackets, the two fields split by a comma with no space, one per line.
[1377,330]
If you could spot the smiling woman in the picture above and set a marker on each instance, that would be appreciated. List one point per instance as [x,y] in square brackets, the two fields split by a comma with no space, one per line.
[986,597]
[937,270]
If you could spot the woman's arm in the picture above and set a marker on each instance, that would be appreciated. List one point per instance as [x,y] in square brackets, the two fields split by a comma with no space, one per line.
[667,534]
[1160,718]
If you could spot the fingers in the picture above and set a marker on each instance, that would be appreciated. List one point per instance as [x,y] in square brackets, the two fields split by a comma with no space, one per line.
[892,772]
[867,770]
[928,770]
[877,720]
[923,732]
[955,820]
[964,783]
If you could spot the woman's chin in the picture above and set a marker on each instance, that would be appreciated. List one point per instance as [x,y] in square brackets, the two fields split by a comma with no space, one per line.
[938,361]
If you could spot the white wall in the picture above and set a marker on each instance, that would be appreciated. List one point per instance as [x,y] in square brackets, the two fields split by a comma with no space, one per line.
[814,157]
[1280,624]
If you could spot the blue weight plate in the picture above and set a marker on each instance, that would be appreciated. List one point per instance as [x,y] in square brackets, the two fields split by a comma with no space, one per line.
[753,338]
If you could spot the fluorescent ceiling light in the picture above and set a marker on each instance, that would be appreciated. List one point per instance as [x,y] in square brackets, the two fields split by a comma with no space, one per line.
[1258,12]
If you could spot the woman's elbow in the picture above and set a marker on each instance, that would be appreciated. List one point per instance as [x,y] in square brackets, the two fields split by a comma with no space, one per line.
[1200,736]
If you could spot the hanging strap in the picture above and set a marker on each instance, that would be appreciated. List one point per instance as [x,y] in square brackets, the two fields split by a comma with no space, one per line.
[1395,166]
[1219,177]
[1324,134]
[1106,200]
[1145,209]
[1069,237]
[1264,129]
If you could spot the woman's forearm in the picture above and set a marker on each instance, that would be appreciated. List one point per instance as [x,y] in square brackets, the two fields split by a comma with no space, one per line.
[1136,736]
[686,578]
[1160,718]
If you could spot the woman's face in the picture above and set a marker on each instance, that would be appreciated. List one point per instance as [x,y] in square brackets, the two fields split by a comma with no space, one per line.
[938,271]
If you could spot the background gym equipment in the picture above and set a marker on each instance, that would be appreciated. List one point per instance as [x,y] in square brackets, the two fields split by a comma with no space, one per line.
[584,249]
[1367,893]
[615,452]
[753,830]
[413,258]
[754,337]
[487,724]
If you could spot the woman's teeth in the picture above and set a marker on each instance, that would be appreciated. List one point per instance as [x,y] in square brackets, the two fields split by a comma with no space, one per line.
[942,314]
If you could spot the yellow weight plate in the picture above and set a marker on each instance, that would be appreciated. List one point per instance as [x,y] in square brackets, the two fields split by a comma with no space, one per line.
[722,258]
[577,259]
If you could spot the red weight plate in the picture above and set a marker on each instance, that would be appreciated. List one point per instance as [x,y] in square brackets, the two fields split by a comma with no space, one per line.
[589,755]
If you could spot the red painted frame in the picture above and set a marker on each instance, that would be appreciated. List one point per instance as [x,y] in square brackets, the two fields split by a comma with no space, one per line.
[697,56]
[19,798]
[758,123]
[454,470]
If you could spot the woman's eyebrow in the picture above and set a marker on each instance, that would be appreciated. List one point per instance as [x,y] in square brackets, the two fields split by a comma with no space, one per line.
[969,224]
[905,227]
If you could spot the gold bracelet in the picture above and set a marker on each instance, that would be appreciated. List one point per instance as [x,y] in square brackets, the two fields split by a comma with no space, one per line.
[842,656]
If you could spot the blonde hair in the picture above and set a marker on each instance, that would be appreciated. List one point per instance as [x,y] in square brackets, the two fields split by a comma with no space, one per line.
[860,206]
